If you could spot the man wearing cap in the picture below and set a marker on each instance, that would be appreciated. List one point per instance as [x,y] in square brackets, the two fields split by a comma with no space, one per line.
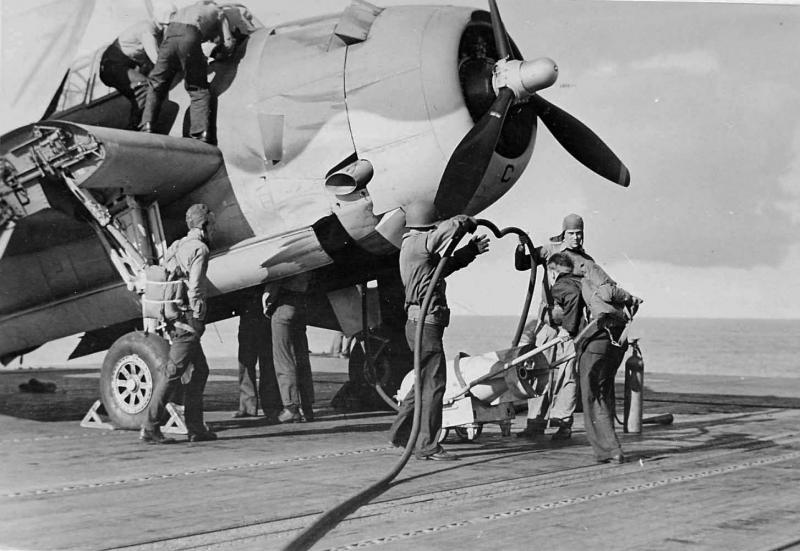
[600,350]
[419,257]
[181,50]
[187,362]
[564,394]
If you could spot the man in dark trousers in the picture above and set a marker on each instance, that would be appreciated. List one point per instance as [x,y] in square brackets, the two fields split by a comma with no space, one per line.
[570,243]
[255,346]
[284,302]
[419,257]
[187,362]
[181,51]
[600,351]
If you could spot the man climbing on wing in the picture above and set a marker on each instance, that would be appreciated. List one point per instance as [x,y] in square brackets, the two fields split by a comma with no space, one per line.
[126,63]
[181,50]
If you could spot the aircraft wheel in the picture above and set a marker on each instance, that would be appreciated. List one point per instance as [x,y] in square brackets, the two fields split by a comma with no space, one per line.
[468,434]
[130,372]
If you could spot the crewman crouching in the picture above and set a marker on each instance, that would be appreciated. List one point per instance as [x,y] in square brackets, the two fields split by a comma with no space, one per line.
[126,63]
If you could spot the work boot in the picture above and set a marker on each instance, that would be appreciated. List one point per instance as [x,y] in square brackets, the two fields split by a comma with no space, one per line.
[564,431]
[438,455]
[203,136]
[533,429]
[289,415]
[154,436]
[205,436]
[271,417]
[617,458]
[307,414]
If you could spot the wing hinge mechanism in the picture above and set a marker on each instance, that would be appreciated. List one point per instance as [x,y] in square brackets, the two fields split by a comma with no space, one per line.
[129,229]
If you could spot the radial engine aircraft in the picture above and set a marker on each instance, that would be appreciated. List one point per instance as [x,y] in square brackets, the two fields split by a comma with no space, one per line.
[326,128]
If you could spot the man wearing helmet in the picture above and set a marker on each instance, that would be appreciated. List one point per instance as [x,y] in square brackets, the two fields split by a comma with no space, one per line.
[569,241]
[561,400]
[187,362]
[419,257]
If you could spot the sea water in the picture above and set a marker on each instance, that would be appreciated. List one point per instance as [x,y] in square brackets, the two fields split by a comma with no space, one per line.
[741,347]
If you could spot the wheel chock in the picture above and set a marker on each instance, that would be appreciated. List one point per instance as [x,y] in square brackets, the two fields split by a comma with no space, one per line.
[175,424]
[93,419]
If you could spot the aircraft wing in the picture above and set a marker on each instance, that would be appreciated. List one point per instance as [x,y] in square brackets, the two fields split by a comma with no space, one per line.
[55,272]
[109,160]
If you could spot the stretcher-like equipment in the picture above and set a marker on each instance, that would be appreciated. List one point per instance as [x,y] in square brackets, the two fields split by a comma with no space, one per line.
[482,389]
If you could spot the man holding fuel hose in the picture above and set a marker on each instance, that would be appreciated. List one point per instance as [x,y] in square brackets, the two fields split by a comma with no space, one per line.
[420,254]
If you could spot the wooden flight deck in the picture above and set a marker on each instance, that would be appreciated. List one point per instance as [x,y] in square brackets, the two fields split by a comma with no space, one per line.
[724,475]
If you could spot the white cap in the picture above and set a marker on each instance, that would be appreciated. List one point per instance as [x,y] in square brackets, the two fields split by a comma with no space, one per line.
[163,12]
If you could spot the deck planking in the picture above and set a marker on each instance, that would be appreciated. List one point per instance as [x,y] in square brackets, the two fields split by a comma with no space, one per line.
[724,475]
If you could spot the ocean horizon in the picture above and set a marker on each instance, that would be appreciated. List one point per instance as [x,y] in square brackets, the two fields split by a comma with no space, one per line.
[701,346]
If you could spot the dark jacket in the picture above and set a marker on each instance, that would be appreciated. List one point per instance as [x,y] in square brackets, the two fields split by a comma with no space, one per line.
[567,295]
[420,253]
[580,258]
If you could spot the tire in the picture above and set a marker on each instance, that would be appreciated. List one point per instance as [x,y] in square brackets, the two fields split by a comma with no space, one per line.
[131,369]
[359,393]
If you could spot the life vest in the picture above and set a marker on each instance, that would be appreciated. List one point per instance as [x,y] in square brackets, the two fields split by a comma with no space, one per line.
[165,296]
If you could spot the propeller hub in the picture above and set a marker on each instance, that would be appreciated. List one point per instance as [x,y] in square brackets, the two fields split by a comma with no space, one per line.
[524,78]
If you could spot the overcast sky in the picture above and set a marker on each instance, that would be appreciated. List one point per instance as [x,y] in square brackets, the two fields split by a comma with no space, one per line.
[699,100]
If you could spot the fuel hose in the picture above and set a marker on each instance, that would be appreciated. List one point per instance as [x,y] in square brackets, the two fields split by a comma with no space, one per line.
[334,516]
[523,237]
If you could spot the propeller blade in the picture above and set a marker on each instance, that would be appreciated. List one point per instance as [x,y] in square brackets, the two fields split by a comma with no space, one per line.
[581,142]
[499,31]
[471,158]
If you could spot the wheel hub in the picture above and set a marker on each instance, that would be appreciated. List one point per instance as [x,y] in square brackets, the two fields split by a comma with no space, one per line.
[132,385]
